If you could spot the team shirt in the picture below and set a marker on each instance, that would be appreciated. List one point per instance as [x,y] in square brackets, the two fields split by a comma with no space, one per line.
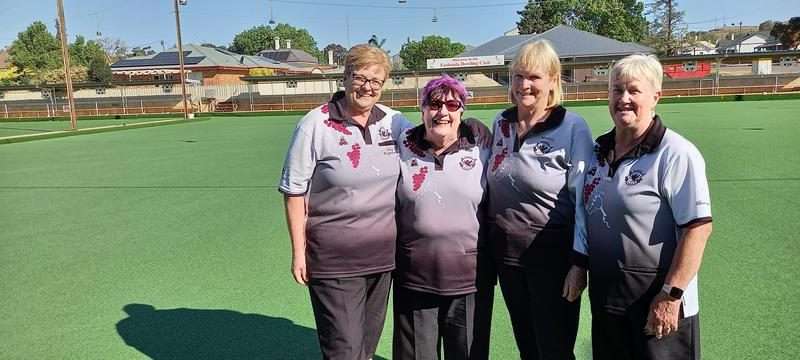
[348,175]
[534,183]
[438,197]
[636,211]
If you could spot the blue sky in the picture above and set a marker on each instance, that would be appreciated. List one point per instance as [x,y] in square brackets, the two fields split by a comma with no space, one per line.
[472,22]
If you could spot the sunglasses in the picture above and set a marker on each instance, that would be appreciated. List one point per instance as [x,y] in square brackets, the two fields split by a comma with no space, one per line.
[451,105]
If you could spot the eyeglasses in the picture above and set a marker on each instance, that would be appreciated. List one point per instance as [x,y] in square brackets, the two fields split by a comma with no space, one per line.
[360,80]
[451,105]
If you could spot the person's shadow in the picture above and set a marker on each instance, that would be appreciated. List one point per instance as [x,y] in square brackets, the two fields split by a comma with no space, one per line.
[195,334]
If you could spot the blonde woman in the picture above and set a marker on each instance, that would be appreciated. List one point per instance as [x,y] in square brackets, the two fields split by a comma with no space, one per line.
[535,176]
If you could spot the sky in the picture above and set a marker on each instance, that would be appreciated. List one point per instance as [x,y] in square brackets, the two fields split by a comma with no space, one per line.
[347,22]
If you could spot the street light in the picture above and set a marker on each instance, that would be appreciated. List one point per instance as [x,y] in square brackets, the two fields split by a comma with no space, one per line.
[271,19]
[180,56]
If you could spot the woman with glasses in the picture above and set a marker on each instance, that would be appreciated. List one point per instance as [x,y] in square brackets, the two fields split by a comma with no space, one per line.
[438,198]
[534,177]
[339,180]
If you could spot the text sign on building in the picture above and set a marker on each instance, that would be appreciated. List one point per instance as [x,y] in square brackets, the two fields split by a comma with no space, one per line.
[469,61]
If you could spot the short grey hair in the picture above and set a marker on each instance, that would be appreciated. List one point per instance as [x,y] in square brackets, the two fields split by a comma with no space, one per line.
[638,66]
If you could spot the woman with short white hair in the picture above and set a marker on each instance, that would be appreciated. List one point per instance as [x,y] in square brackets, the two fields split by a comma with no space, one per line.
[648,218]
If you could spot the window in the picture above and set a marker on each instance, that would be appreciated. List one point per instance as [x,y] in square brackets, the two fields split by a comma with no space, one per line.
[45,94]
[397,80]
[600,70]
[100,91]
[291,84]
[690,66]
[166,88]
[340,83]
[461,76]
[788,60]
[2,95]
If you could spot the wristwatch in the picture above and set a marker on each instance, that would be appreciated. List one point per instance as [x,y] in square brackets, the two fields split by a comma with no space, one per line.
[674,292]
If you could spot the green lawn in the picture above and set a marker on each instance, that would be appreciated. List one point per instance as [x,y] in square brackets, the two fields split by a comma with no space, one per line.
[14,128]
[169,242]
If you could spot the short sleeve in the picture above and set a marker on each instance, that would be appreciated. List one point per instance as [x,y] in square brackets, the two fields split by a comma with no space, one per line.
[298,167]
[685,186]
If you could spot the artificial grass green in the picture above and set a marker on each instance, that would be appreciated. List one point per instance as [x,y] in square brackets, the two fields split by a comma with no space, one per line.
[187,219]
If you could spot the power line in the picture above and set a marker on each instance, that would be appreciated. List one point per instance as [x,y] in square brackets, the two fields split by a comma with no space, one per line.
[317,3]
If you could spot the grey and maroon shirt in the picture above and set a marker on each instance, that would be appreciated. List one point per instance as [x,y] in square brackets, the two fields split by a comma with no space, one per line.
[348,175]
[438,199]
[534,183]
[636,209]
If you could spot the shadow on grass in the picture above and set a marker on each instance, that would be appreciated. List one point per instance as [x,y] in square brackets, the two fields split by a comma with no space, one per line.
[191,334]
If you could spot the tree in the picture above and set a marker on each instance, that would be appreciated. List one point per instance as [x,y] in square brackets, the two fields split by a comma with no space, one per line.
[622,20]
[261,37]
[766,25]
[339,53]
[416,53]
[99,70]
[666,26]
[115,49]
[35,50]
[788,33]
[9,75]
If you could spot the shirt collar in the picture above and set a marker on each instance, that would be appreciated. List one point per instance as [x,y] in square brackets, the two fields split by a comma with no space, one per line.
[647,144]
[337,108]
[552,121]
[466,139]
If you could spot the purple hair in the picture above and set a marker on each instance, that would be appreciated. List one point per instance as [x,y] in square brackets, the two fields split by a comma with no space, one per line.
[441,86]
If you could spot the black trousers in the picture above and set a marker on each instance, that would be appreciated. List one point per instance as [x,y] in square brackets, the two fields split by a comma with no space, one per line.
[545,324]
[621,337]
[424,323]
[349,313]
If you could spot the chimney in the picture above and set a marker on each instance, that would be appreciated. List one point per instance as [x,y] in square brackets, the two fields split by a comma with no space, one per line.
[277,43]
[288,43]
[330,57]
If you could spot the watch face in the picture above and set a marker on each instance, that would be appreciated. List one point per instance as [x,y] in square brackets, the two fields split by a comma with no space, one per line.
[676,292]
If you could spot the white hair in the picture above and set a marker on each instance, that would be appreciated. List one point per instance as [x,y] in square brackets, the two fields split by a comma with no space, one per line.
[640,67]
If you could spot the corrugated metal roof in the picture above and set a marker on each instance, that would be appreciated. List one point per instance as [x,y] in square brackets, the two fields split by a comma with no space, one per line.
[568,42]
[200,56]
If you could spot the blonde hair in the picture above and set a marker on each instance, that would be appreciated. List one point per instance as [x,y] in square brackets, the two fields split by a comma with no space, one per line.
[363,55]
[540,55]
[638,66]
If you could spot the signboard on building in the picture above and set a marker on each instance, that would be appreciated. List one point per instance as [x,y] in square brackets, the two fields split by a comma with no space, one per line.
[469,61]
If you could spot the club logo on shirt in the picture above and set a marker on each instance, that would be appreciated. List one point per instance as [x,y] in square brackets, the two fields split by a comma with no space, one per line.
[634,177]
[592,171]
[354,155]
[419,178]
[414,162]
[543,147]
[499,142]
[342,141]
[384,133]
[467,162]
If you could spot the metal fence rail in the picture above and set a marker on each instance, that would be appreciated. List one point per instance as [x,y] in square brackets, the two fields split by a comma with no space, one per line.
[247,98]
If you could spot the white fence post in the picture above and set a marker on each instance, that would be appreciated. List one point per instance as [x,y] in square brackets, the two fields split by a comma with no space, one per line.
[96,109]
[5,106]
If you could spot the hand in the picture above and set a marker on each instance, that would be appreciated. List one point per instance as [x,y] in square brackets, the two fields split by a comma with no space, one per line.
[299,269]
[483,136]
[574,283]
[662,319]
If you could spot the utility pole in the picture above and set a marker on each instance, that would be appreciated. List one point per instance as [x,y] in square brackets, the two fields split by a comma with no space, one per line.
[180,57]
[62,28]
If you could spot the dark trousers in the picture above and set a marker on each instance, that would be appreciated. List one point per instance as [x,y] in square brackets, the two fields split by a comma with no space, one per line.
[349,313]
[621,337]
[424,323]
[545,324]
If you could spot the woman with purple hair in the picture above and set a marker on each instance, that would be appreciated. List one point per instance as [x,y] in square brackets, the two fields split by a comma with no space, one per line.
[439,195]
